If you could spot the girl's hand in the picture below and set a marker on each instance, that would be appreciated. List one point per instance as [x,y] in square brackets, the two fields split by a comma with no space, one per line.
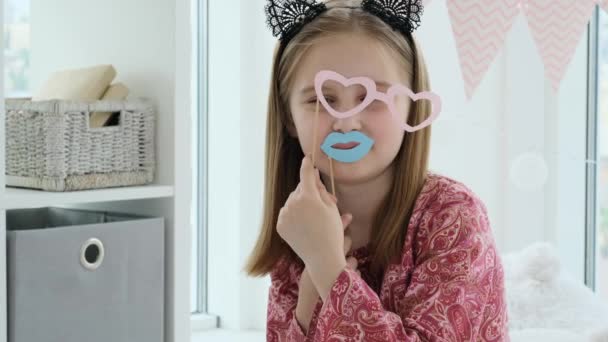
[310,223]
[307,293]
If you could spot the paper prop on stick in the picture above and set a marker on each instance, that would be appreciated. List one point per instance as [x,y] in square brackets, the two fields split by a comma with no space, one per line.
[347,147]
[353,146]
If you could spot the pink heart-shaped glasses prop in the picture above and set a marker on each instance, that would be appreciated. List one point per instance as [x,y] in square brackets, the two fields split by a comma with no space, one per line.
[373,94]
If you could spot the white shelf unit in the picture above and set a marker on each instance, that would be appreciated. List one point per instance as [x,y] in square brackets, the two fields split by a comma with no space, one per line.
[15,198]
[151,49]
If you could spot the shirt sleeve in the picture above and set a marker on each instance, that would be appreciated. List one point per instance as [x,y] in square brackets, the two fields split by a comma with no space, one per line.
[281,323]
[455,292]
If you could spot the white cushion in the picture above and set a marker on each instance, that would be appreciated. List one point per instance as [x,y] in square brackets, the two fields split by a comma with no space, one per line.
[541,296]
[116,91]
[540,335]
[87,84]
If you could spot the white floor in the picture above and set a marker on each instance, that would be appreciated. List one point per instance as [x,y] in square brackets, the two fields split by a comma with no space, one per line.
[222,335]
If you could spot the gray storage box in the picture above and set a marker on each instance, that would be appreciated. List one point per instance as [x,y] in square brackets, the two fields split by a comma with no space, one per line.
[76,275]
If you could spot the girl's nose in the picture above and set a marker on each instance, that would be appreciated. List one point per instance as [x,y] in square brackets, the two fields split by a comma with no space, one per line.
[348,102]
[351,123]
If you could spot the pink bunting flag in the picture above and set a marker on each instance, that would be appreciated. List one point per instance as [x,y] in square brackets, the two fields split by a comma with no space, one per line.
[480,28]
[557,27]
[603,4]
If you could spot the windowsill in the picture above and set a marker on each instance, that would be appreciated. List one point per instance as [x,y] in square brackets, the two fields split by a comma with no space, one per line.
[223,335]
[203,322]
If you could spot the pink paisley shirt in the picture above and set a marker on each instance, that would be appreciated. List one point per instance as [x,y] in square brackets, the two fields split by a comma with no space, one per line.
[448,285]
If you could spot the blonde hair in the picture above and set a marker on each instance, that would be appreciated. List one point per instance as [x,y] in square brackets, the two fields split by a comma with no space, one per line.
[284,154]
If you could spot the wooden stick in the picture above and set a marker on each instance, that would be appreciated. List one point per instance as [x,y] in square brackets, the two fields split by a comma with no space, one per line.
[331,175]
[314,139]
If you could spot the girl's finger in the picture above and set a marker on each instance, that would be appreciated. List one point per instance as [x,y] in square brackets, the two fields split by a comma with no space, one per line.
[291,196]
[325,195]
[318,178]
[351,262]
[280,216]
[346,220]
[328,198]
[307,176]
[320,184]
[348,243]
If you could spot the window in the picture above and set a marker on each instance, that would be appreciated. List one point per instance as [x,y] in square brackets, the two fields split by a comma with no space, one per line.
[199,236]
[17,48]
[600,252]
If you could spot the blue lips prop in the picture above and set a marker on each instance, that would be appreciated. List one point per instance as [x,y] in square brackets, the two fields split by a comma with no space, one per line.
[351,155]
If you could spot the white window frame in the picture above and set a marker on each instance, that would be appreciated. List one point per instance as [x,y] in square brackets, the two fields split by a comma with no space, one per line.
[591,172]
[201,319]
[239,54]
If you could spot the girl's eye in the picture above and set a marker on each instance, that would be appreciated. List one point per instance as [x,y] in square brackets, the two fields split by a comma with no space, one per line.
[329,100]
[332,100]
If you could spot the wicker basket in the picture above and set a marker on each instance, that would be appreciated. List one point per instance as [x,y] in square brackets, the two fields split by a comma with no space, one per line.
[50,145]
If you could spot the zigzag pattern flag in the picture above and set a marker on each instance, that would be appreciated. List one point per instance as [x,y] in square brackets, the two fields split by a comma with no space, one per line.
[480,28]
[557,27]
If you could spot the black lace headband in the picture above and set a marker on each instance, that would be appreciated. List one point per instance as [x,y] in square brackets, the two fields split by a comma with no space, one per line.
[287,17]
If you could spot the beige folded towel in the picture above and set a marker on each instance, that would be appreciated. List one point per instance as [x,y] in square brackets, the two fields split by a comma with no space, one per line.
[85,84]
[117,91]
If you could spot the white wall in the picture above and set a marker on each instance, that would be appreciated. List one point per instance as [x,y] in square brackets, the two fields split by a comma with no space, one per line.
[465,142]
[239,59]
[480,143]
[565,150]
[514,128]
[254,75]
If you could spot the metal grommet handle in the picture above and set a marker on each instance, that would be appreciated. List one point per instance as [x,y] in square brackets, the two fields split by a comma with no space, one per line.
[91,254]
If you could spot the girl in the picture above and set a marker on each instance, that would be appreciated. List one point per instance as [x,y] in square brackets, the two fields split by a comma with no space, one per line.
[412,257]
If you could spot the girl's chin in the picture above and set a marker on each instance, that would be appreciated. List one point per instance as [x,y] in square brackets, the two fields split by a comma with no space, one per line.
[349,176]
[359,172]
